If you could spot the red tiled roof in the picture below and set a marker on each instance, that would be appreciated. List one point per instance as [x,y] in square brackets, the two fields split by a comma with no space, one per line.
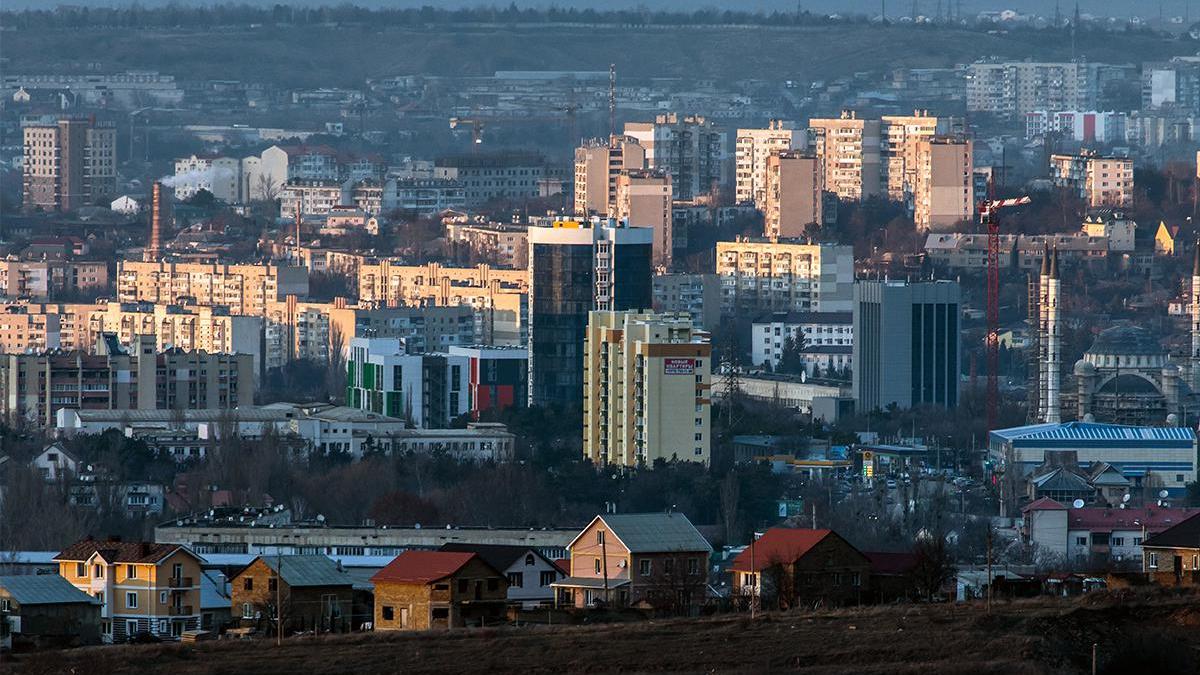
[422,567]
[118,551]
[778,545]
[1153,518]
[891,563]
[564,565]
[1043,504]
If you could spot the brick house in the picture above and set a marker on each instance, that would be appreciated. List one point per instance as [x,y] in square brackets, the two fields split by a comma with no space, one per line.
[656,560]
[1172,557]
[142,587]
[788,568]
[424,590]
[315,594]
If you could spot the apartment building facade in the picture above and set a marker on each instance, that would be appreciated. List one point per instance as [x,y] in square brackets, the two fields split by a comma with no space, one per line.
[688,147]
[848,148]
[221,176]
[504,244]
[752,147]
[1098,180]
[943,192]
[597,165]
[190,328]
[48,279]
[794,198]
[428,390]
[68,163]
[647,389]
[245,289]
[643,199]
[760,275]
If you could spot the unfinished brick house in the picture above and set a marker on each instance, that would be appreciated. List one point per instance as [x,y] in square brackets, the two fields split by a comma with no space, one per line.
[788,568]
[425,590]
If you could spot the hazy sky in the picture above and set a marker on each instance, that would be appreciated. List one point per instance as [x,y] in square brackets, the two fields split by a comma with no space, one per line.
[1146,8]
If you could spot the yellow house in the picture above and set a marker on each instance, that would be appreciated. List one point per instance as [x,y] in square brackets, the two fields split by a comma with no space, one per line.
[142,587]
[1165,239]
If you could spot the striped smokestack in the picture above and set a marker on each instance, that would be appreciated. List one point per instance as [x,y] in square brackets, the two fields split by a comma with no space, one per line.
[154,247]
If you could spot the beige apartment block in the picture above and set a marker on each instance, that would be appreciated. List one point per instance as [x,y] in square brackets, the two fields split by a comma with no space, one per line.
[752,147]
[902,135]
[505,243]
[848,148]
[191,328]
[31,326]
[47,279]
[499,297]
[597,164]
[647,389]
[759,275]
[944,193]
[68,163]
[1099,181]
[795,184]
[244,289]
[644,200]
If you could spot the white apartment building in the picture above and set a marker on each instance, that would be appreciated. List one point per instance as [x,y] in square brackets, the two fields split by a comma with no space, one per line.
[222,176]
[819,329]
[752,147]
[1099,181]
[759,275]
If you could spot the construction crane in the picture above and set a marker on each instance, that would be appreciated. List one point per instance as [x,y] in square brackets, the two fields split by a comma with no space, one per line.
[987,216]
[476,129]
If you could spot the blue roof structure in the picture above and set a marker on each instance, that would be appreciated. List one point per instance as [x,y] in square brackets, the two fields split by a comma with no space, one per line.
[1093,433]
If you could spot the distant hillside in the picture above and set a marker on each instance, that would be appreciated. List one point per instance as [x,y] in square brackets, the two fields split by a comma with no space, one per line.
[329,55]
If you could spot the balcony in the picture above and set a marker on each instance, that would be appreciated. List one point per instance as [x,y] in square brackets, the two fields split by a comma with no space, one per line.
[180,610]
[180,582]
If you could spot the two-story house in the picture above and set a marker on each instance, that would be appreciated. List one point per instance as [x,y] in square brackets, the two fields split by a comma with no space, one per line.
[142,587]
[424,590]
[56,463]
[788,568]
[530,574]
[307,592]
[1172,557]
[658,560]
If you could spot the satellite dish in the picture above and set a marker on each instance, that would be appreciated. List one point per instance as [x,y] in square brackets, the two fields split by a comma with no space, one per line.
[1125,499]
[1163,494]
[320,518]
[1122,506]
[1078,503]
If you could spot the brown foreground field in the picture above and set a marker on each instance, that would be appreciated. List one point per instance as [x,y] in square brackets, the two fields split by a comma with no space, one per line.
[1134,633]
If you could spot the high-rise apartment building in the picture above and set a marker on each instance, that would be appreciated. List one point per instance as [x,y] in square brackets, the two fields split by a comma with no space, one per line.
[35,386]
[68,163]
[848,148]
[902,136]
[1019,87]
[575,267]
[244,289]
[906,344]
[795,187]
[48,279]
[688,147]
[943,191]
[752,147]
[643,199]
[697,295]
[648,395]
[597,165]
[784,276]
[495,175]
[193,328]
[1099,181]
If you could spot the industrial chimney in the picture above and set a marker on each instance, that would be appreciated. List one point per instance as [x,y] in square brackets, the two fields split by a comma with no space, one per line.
[154,247]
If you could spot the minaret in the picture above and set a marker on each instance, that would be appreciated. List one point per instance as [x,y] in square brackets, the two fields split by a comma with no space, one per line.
[1053,344]
[1194,362]
[154,247]
[1042,334]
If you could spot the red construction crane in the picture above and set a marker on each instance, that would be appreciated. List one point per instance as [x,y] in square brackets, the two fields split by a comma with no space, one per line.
[987,216]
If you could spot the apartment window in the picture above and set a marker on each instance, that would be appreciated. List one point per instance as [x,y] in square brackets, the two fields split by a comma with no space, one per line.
[80,569]
[516,580]
[1178,478]
[1081,541]
[388,613]
[98,571]
[248,584]
[597,565]
[855,579]
[247,610]
[1137,541]
[546,578]
[131,600]
[1153,561]
[529,559]
[1118,541]
[644,567]
[441,613]
[699,436]
[162,597]
[5,605]
[599,536]
[693,566]
[131,627]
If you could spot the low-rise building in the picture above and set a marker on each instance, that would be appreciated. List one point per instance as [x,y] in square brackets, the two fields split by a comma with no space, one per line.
[301,592]
[530,575]
[429,590]
[1172,557]
[430,390]
[45,610]
[1099,181]
[1099,536]
[621,560]
[1112,225]
[812,330]
[142,587]
[767,276]
[789,568]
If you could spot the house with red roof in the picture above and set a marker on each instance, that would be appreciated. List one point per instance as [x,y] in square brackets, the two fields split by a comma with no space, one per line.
[1094,535]
[427,590]
[788,568]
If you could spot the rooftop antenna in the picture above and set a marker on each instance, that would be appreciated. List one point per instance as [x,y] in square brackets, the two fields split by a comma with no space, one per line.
[612,100]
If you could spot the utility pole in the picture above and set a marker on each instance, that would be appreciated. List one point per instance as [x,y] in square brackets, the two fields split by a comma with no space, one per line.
[604,565]
[989,569]
[278,597]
